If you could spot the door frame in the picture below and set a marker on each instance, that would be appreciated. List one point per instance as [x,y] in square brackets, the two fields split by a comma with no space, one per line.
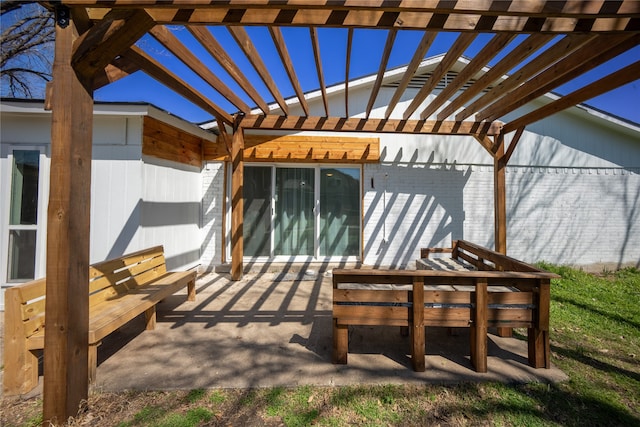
[296,258]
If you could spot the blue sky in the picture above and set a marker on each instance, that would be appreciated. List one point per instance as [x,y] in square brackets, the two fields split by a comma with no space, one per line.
[366,53]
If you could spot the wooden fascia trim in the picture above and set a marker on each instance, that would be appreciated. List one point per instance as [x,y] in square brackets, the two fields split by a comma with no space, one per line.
[301,148]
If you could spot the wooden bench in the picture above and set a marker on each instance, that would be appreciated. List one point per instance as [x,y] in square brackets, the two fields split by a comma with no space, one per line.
[119,290]
[450,297]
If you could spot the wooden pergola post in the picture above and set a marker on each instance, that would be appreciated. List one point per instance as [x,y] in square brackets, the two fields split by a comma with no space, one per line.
[500,206]
[500,196]
[67,294]
[237,200]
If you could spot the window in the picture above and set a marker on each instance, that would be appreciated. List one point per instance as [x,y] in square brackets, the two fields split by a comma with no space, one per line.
[23,215]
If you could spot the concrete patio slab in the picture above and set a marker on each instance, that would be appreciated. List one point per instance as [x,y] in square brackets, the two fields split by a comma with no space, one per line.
[274,329]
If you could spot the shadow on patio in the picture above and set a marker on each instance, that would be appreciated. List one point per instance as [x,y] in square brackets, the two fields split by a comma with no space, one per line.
[274,329]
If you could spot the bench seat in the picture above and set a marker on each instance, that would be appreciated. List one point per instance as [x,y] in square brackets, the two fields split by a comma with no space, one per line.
[120,290]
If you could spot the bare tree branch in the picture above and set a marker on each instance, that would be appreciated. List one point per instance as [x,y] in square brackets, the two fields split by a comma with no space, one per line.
[26,54]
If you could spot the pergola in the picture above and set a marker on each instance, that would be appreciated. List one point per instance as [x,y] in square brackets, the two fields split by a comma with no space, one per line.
[95,46]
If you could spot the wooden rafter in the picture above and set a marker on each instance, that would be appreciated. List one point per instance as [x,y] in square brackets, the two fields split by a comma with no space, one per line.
[341,124]
[381,69]
[619,78]
[214,48]
[98,46]
[171,42]
[525,49]
[315,43]
[346,73]
[452,55]
[491,49]
[242,38]
[154,69]
[599,51]
[556,52]
[421,51]
[281,47]
[462,15]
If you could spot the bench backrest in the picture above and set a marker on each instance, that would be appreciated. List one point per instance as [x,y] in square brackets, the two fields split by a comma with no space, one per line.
[480,257]
[107,281]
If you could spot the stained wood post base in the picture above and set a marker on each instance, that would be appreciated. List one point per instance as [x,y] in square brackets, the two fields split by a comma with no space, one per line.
[340,343]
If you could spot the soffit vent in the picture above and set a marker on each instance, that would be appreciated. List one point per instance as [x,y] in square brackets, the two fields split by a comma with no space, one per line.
[419,80]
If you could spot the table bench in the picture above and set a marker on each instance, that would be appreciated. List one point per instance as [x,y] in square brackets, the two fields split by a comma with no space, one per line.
[472,292]
[120,290]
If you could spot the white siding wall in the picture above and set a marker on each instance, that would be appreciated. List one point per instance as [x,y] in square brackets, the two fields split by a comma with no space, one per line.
[212,215]
[170,211]
[135,202]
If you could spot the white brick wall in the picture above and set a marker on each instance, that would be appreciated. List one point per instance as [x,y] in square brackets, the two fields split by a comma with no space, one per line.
[212,215]
[579,216]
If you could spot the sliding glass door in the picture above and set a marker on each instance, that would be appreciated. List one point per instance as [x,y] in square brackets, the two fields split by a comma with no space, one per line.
[294,214]
[301,212]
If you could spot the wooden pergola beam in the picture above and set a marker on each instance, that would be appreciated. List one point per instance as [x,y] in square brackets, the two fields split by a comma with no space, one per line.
[315,43]
[115,33]
[281,47]
[206,39]
[525,49]
[619,78]
[555,53]
[491,49]
[154,69]
[468,15]
[534,8]
[418,56]
[341,124]
[171,42]
[391,36]
[244,41]
[113,72]
[452,55]
[586,58]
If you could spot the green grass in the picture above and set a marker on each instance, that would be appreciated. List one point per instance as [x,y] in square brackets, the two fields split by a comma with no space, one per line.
[595,340]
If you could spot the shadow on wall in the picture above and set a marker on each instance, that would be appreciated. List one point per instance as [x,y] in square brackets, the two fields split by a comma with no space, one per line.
[158,214]
[409,206]
[212,226]
[572,215]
